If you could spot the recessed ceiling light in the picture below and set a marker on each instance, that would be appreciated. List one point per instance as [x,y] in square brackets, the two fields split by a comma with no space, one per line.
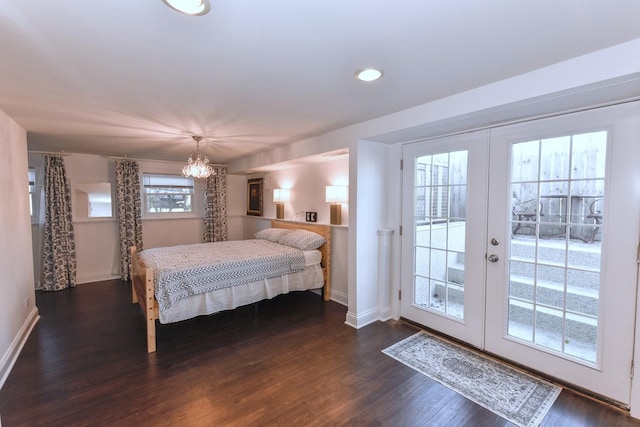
[189,7]
[368,74]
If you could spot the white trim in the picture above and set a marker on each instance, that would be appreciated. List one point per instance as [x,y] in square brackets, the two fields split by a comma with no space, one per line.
[172,218]
[10,357]
[339,297]
[385,314]
[336,296]
[364,319]
[133,159]
[94,220]
[96,277]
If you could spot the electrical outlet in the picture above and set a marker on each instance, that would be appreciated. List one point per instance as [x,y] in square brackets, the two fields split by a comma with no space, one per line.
[312,217]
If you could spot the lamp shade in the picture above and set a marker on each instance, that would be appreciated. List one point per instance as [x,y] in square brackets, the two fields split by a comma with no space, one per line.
[281,195]
[337,194]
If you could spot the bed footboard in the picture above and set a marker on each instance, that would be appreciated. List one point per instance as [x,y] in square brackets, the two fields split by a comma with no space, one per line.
[142,290]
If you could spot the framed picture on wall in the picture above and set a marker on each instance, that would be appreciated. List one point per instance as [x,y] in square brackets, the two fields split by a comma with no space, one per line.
[254,197]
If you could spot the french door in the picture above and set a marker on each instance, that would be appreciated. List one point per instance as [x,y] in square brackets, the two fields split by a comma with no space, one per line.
[445,215]
[522,241]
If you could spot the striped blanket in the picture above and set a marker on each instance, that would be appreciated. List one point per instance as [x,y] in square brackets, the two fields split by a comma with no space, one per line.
[182,271]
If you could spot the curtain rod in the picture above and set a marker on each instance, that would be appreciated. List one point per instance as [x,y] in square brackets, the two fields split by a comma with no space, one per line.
[152,160]
[61,153]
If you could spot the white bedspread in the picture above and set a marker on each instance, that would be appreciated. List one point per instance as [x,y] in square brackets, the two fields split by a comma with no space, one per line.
[186,270]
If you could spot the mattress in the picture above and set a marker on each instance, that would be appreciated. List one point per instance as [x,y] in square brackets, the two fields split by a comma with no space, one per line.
[312,257]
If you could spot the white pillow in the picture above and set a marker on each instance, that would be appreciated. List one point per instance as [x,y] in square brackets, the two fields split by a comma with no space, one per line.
[302,239]
[272,234]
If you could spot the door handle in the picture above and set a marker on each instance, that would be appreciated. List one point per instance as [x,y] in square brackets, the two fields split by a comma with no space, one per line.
[493,258]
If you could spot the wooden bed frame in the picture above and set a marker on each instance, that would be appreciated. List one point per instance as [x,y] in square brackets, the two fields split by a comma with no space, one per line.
[142,277]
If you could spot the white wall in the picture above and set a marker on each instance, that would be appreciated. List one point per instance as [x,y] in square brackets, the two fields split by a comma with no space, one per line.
[369,171]
[307,184]
[97,246]
[18,312]
[307,189]
[236,206]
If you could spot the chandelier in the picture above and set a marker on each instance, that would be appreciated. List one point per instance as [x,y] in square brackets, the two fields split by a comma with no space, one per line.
[197,167]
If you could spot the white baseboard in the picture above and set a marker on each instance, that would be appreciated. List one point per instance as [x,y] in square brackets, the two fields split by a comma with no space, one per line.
[340,297]
[385,314]
[368,317]
[95,277]
[362,319]
[10,357]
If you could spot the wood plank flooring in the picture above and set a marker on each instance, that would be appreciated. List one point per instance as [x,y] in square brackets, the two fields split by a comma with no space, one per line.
[290,361]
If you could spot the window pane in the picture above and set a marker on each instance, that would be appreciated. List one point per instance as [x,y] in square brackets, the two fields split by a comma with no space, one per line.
[521,320]
[167,193]
[151,180]
[557,211]
[524,166]
[588,155]
[556,153]
[440,232]
[168,203]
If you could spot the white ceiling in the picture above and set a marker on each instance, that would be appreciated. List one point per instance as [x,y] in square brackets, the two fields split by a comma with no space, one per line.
[123,77]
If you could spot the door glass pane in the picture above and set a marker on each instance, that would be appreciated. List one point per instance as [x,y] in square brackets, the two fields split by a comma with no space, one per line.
[557,189]
[520,319]
[440,232]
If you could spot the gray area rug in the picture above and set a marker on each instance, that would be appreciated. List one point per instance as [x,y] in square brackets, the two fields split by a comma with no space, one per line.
[514,395]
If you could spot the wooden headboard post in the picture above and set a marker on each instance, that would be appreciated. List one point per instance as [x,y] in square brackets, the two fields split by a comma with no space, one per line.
[323,230]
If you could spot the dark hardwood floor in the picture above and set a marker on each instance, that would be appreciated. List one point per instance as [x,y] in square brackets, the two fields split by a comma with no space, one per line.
[289,362]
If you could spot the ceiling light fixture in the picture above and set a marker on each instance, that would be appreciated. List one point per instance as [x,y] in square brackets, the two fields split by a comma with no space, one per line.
[368,74]
[189,7]
[197,167]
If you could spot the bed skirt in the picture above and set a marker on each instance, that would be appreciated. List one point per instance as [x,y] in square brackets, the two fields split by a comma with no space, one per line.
[229,298]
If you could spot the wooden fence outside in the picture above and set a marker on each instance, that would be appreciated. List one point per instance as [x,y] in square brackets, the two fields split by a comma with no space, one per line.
[559,180]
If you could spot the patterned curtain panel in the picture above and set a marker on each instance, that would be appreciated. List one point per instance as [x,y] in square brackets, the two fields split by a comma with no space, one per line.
[215,206]
[129,212]
[59,247]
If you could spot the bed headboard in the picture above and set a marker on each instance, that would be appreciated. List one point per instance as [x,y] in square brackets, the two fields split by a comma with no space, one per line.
[323,230]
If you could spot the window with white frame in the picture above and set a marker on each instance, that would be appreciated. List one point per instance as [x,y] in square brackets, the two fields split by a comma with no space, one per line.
[167,193]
